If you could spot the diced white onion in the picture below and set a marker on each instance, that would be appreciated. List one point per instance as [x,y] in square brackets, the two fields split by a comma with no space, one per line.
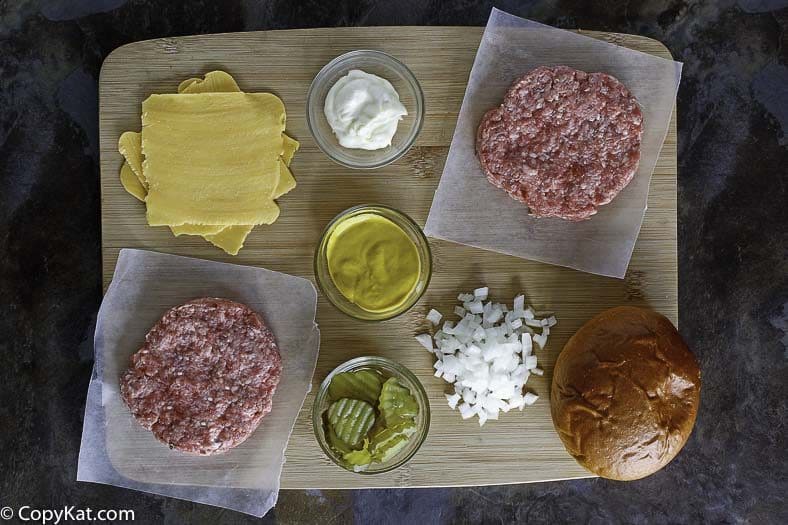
[425,340]
[527,344]
[434,317]
[519,303]
[476,307]
[453,399]
[487,354]
[466,411]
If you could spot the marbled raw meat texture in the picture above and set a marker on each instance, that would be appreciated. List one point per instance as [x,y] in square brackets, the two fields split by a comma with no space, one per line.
[564,142]
[205,376]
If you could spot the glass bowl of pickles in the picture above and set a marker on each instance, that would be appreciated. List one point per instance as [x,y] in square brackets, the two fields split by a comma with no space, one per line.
[371,415]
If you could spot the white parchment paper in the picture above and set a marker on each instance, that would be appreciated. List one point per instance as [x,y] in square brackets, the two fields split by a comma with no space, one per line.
[117,451]
[469,210]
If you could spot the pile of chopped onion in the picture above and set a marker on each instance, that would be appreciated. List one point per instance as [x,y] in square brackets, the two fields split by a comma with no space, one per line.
[487,354]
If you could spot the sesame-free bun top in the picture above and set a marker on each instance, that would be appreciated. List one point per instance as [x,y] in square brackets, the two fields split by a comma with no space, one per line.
[625,393]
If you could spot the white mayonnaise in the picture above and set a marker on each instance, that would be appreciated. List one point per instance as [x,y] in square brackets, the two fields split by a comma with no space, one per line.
[363,110]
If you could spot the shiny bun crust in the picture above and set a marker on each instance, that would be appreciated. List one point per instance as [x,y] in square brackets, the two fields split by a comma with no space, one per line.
[625,393]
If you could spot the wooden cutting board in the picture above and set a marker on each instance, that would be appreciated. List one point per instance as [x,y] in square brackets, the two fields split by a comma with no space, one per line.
[521,446]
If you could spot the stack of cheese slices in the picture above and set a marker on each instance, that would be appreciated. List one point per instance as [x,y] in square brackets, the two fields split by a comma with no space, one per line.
[210,160]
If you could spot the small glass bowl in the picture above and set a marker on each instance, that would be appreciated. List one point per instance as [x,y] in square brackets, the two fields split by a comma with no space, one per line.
[382,65]
[388,368]
[332,293]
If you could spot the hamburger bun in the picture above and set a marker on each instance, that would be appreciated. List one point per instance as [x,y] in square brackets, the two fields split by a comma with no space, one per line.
[625,393]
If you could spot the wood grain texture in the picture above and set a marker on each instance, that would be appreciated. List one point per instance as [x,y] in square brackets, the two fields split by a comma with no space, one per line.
[520,447]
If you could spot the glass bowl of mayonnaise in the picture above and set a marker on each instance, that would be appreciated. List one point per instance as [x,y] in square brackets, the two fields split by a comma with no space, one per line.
[373,262]
[365,109]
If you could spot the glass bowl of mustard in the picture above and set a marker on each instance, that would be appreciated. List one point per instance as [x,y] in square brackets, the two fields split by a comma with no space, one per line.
[390,443]
[373,262]
[386,67]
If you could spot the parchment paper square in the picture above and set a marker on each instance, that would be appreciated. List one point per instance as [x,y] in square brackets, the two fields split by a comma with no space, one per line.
[467,209]
[116,450]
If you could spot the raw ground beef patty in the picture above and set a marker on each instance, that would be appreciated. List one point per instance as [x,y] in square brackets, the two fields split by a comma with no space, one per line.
[205,376]
[563,142]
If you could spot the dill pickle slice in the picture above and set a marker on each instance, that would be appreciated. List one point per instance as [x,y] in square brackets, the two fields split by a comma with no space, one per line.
[361,384]
[406,428]
[389,448]
[377,427]
[351,419]
[336,443]
[396,404]
[387,442]
[359,459]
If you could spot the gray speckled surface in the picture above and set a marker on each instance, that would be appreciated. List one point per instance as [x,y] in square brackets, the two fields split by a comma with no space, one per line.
[733,256]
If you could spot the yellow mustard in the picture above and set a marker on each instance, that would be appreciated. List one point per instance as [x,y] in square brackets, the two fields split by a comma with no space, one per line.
[372,262]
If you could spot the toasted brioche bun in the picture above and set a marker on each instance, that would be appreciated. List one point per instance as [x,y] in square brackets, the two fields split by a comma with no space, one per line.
[625,393]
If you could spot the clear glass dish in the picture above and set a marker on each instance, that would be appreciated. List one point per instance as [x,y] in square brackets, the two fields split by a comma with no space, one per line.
[388,368]
[332,293]
[382,65]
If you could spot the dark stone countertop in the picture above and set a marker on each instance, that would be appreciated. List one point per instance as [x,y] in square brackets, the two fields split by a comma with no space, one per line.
[733,255]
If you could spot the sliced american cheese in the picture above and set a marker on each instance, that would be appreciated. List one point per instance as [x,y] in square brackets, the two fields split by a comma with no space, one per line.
[286,180]
[289,147]
[221,82]
[131,183]
[130,146]
[197,229]
[214,82]
[231,239]
[228,238]
[212,158]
